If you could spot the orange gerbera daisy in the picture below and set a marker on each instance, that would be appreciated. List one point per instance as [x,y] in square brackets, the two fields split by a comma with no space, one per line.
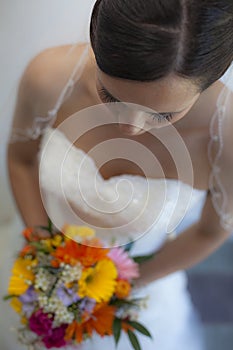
[101,321]
[73,252]
[28,233]
[122,289]
[28,250]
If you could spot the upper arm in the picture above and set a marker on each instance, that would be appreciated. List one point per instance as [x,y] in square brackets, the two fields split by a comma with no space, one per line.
[42,82]
[36,95]
[40,87]
[217,215]
[210,221]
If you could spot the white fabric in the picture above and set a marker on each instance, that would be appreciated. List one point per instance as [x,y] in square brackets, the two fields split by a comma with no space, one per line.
[221,126]
[170,316]
[72,178]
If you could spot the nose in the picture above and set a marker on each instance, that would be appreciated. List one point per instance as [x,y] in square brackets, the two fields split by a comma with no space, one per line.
[131,122]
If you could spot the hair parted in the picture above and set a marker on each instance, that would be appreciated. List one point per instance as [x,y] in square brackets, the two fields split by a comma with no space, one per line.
[148,40]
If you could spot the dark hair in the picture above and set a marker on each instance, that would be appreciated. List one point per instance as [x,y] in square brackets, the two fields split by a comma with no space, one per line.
[146,40]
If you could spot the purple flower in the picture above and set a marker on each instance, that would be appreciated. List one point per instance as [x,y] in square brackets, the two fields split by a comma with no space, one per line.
[28,300]
[67,295]
[55,338]
[87,304]
[40,323]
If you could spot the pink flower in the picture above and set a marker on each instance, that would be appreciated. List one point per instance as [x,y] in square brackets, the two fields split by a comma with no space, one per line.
[55,338]
[40,323]
[127,268]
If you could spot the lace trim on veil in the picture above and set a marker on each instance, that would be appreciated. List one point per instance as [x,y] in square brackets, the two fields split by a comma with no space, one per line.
[40,123]
[220,197]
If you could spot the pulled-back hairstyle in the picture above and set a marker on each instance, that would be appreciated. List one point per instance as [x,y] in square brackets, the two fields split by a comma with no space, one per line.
[146,40]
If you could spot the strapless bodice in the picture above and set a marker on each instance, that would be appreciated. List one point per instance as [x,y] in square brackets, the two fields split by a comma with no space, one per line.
[125,207]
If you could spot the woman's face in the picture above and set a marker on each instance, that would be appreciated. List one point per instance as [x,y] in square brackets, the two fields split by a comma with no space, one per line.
[147,105]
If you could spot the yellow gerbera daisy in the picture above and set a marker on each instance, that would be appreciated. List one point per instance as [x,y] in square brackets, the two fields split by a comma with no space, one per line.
[22,276]
[16,305]
[98,282]
[77,233]
[24,320]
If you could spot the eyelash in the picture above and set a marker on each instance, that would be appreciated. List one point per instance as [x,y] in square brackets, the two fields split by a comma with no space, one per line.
[105,96]
[161,117]
[156,116]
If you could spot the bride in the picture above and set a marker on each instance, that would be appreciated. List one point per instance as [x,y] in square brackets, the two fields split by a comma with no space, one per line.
[167,128]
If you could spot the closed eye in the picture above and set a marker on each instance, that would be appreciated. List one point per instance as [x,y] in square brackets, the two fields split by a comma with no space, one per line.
[159,117]
[107,97]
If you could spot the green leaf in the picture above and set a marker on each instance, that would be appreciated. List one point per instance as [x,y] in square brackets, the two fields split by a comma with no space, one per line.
[53,287]
[140,328]
[117,329]
[122,302]
[39,247]
[143,258]
[7,297]
[134,340]
[128,246]
[50,226]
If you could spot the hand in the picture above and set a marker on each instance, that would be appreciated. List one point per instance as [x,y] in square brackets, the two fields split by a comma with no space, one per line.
[42,234]
[35,234]
[139,283]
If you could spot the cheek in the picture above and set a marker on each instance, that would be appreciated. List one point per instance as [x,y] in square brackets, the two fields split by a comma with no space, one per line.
[178,117]
[182,115]
[97,86]
[98,89]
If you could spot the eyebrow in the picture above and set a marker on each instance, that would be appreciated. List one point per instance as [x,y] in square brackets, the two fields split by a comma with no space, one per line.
[117,100]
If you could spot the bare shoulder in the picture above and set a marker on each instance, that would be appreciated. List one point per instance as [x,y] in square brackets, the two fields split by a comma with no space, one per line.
[47,73]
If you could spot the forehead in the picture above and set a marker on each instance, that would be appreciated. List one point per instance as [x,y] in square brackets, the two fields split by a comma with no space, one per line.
[168,94]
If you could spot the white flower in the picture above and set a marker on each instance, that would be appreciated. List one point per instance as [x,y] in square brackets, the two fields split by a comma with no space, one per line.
[43,300]
[53,304]
[133,315]
[43,279]
[143,303]
[71,273]
[43,258]
[62,316]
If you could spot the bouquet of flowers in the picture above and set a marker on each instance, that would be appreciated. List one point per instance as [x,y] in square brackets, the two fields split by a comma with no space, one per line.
[67,286]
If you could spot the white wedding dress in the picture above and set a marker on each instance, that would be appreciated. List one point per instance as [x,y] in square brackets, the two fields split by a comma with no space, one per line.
[170,315]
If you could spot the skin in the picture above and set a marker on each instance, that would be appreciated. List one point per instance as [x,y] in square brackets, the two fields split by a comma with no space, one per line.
[155,96]
[37,94]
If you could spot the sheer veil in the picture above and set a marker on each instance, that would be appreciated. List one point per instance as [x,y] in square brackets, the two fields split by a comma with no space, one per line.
[24,128]
[220,153]
[221,127]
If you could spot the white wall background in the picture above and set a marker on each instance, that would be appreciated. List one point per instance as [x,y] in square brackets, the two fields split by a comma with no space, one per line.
[26,28]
